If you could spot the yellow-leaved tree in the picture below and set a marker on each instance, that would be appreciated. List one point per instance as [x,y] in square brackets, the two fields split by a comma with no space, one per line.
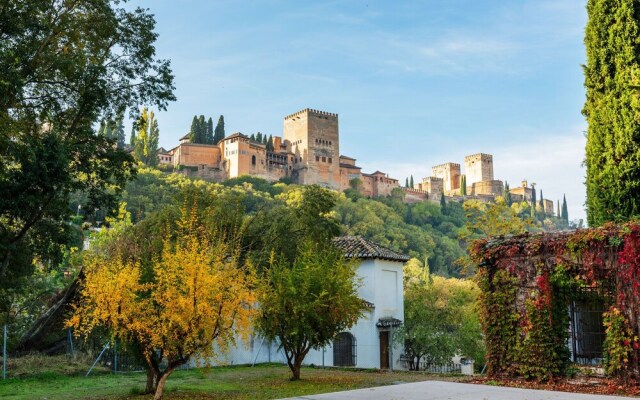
[192,299]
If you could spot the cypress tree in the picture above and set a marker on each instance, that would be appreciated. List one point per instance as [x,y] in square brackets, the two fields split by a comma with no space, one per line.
[264,139]
[132,138]
[565,209]
[209,137]
[411,182]
[142,136]
[542,201]
[219,132]
[533,196]
[611,110]
[270,143]
[559,214]
[259,137]
[443,202]
[202,130]
[463,185]
[118,133]
[253,137]
[193,132]
[152,142]
[507,195]
[406,183]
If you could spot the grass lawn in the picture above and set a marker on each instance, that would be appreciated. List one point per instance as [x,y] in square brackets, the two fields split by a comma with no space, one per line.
[259,382]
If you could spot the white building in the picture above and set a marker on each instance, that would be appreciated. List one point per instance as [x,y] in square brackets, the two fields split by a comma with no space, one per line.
[369,343]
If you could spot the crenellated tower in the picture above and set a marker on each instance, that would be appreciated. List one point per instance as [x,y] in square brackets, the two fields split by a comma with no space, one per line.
[313,137]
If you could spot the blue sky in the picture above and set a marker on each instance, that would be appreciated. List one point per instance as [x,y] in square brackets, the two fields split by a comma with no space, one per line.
[415,83]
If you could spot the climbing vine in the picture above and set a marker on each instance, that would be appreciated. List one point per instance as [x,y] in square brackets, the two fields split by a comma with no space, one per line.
[528,282]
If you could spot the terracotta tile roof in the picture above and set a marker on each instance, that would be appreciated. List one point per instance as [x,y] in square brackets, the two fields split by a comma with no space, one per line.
[357,247]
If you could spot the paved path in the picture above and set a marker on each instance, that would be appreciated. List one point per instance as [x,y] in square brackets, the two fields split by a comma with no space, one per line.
[437,390]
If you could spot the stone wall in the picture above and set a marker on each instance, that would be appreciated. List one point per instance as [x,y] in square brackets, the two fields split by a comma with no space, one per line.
[478,168]
[450,175]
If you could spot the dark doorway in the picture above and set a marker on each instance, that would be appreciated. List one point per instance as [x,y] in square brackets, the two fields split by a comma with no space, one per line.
[384,350]
[344,350]
[587,331]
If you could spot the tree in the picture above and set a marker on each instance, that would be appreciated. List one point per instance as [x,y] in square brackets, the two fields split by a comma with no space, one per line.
[259,137]
[132,136]
[411,182]
[565,209]
[440,317]
[306,303]
[264,139]
[542,202]
[507,195]
[65,66]
[463,185]
[118,133]
[146,144]
[253,137]
[210,138]
[270,144]
[406,183]
[219,132]
[194,131]
[194,294]
[443,201]
[611,109]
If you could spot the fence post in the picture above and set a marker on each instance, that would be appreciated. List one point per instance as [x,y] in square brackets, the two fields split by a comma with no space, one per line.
[4,353]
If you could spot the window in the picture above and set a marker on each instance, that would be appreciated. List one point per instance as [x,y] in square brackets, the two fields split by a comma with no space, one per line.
[253,160]
[317,158]
[344,350]
[330,161]
[324,159]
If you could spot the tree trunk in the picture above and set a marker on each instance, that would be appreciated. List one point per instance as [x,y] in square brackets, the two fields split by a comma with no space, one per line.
[151,382]
[161,383]
[297,365]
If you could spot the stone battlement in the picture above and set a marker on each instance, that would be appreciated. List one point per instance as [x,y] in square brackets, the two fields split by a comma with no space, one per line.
[312,111]
[447,164]
[482,156]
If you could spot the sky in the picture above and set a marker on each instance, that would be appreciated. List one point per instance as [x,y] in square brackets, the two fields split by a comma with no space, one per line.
[415,83]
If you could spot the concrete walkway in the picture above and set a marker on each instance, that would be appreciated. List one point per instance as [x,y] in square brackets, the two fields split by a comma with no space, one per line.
[437,390]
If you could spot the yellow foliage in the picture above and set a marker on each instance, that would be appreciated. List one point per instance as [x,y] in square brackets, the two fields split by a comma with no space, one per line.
[193,295]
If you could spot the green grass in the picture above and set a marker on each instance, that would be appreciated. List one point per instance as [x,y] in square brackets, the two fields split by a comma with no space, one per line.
[259,382]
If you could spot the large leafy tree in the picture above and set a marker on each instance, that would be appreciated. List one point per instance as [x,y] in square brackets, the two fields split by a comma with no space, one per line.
[145,149]
[174,298]
[66,65]
[440,318]
[612,77]
[306,303]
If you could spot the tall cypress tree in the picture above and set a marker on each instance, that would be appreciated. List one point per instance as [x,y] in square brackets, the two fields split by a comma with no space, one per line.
[270,143]
[542,202]
[253,137]
[202,130]
[259,137]
[118,132]
[411,182]
[193,131]
[142,136]
[406,182]
[611,110]
[132,138]
[463,185]
[507,194]
[443,201]
[152,142]
[565,209]
[209,137]
[559,214]
[533,196]
[219,132]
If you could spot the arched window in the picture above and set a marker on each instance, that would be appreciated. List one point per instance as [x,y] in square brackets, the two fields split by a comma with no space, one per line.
[253,160]
[344,350]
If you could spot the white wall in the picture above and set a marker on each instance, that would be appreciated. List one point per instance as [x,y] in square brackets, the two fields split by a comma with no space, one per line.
[382,286]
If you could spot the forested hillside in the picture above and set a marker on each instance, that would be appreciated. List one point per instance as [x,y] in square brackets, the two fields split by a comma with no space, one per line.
[424,230]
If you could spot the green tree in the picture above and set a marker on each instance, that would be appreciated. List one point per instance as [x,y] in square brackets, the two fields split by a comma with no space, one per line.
[65,66]
[612,76]
[194,131]
[219,132]
[147,138]
[463,185]
[132,136]
[406,183]
[210,137]
[506,194]
[253,137]
[411,182]
[443,202]
[565,209]
[102,128]
[307,302]
[270,143]
[440,317]
[542,202]
[259,137]
[118,133]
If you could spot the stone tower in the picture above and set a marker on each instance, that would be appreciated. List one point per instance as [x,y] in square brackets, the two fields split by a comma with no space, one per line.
[478,168]
[313,138]
[450,175]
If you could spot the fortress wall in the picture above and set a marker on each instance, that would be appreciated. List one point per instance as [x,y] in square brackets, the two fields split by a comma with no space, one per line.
[478,168]
[492,188]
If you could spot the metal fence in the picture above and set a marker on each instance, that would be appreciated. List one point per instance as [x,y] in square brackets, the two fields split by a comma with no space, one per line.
[433,368]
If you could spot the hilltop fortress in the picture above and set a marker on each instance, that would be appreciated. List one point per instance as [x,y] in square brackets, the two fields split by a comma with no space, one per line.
[309,153]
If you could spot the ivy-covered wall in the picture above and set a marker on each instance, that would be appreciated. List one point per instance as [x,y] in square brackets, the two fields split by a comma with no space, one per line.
[527,283]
